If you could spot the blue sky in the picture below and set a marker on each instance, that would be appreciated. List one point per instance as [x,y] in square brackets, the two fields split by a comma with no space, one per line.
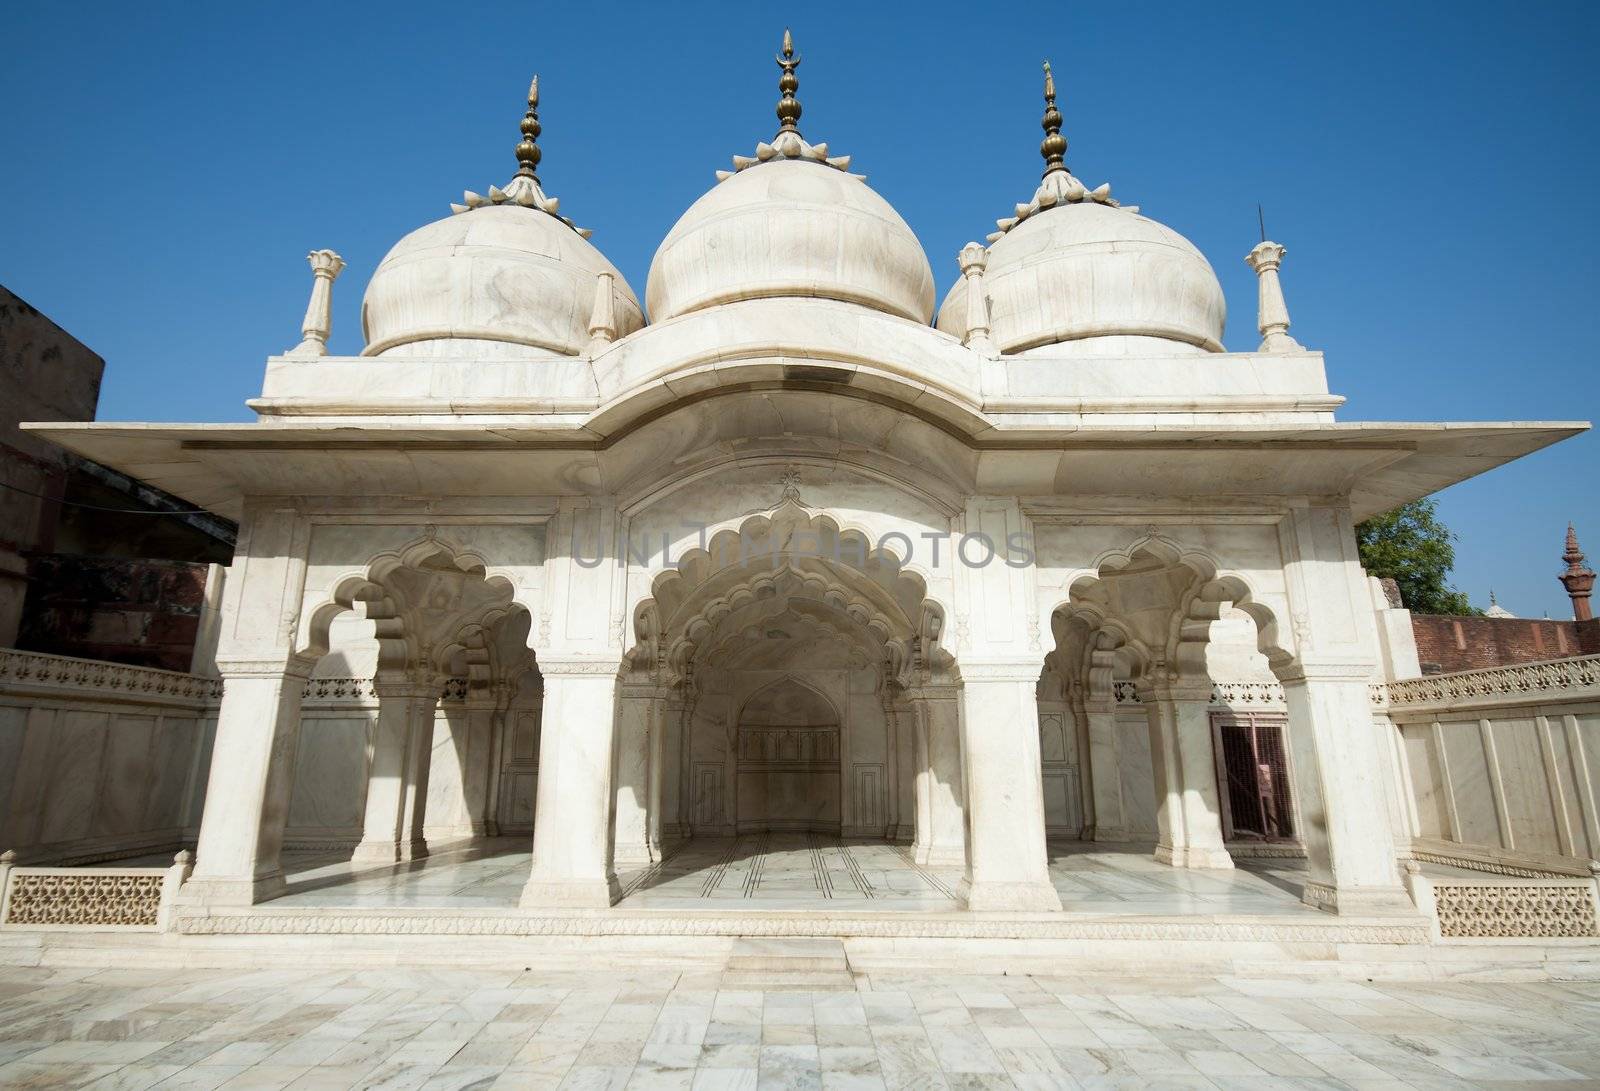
[1429,166]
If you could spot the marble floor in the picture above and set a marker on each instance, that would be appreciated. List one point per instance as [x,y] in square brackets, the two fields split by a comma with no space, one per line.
[798,871]
[304,1028]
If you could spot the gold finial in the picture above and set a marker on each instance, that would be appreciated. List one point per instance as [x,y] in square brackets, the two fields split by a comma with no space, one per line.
[528,152]
[1054,145]
[788,84]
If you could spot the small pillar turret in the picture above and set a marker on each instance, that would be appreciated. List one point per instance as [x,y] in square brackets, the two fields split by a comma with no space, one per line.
[1272,316]
[325,268]
[974,259]
[1578,579]
[603,315]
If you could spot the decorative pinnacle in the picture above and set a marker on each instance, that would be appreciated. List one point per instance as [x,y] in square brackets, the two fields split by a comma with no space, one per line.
[788,84]
[528,152]
[1573,556]
[1578,579]
[1054,145]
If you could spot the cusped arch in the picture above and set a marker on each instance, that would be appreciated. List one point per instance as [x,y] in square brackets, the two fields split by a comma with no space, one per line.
[1207,592]
[369,592]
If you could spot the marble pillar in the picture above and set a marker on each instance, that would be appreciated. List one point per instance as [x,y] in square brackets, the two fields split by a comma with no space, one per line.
[1344,819]
[252,773]
[1188,813]
[1007,865]
[390,832]
[635,740]
[940,837]
[572,861]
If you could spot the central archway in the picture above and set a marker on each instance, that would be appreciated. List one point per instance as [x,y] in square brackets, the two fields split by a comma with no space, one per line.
[790,657]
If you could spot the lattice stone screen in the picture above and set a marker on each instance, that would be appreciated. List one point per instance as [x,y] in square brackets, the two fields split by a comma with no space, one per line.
[1507,908]
[94,898]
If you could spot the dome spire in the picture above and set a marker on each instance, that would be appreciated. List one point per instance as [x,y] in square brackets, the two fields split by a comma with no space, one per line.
[788,84]
[1057,186]
[528,153]
[787,144]
[524,188]
[1054,145]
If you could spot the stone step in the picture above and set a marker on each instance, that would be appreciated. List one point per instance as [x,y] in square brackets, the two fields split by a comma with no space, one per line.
[786,981]
[807,955]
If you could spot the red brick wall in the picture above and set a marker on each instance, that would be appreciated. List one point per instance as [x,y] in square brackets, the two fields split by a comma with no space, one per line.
[1449,644]
[145,613]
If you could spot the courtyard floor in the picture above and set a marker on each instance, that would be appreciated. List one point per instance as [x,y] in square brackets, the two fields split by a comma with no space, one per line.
[413,1028]
[797,871]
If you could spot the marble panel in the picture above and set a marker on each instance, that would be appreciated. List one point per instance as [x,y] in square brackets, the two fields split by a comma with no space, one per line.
[330,785]
[1427,781]
[1567,780]
[1469,783]
[1138,776]
[1530,805]
[125,776]
[172,756]
[13,732]
[72,774]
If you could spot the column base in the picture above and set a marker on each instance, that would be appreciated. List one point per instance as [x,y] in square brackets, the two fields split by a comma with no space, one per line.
[1360,901]
[634,856]
[202,891]
[571,893]
[389,852]
[1195,857]
[998,897]
[939,856]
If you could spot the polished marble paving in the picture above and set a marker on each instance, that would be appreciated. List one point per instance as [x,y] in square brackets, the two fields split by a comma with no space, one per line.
[798,871]
[304,1028]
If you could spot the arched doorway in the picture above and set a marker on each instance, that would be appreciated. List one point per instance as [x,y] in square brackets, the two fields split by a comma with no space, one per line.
[787,760]
[789,663]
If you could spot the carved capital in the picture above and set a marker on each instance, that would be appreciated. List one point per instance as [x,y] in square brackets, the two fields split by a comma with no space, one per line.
[1266,257]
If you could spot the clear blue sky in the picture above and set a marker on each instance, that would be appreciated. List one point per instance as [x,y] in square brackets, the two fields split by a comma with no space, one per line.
[1429,166]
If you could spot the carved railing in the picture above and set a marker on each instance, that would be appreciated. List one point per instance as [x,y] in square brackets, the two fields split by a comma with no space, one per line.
[1554,680]
[93,898]
[1229,694]
[68,676]
[363,690]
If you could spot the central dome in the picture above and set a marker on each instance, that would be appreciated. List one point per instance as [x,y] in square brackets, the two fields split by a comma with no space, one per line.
[790,221]
[791,227]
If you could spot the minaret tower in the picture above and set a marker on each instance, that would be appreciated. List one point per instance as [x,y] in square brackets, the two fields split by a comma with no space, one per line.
[1578,579]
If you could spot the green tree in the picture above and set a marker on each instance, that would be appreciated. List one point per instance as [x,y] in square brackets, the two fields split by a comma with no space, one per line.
[1412,547]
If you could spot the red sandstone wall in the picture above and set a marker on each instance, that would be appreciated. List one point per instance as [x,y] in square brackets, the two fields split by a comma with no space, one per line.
[145,613]
[1449,644]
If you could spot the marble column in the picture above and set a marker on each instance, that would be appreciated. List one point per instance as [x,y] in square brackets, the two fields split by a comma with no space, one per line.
[635,740]
[1107,818]
[252,773]
[940,839]
[572,861]
[1188,814]
[478,763]
[1338,763]
[1007,865]
[389,831]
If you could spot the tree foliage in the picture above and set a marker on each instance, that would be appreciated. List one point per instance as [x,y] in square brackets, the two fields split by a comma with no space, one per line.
[1412,547]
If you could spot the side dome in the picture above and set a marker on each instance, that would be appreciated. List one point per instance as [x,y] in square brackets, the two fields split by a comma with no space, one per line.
[501,273]
[1082,273]
[791,227]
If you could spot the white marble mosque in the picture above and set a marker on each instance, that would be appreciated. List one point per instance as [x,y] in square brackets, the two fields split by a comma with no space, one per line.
[792,580]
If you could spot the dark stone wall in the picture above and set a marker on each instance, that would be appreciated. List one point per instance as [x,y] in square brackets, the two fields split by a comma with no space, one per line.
[144,613]
[1449,644]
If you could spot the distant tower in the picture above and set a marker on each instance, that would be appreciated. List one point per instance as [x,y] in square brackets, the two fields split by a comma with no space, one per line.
[1495,609]
[1578,579]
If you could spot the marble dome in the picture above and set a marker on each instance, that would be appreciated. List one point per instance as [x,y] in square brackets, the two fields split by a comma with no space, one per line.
[791,227]
[1097,278]
[502,273]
